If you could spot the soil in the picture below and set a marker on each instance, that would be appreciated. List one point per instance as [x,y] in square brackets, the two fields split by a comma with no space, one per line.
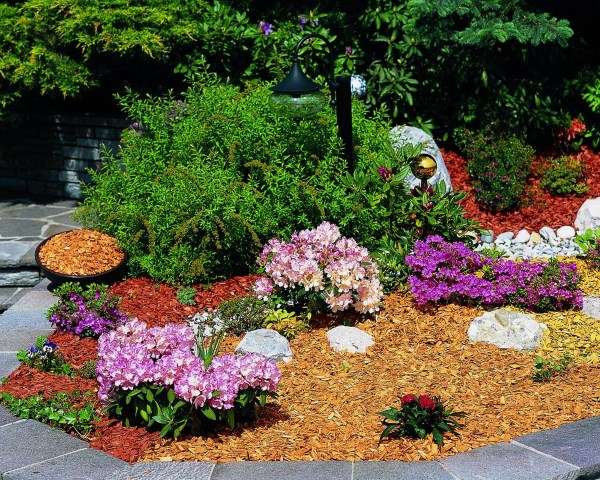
[540,208]
[81,252]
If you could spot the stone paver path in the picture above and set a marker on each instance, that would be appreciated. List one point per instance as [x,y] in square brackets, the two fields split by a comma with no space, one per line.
[32,451]
[23,225]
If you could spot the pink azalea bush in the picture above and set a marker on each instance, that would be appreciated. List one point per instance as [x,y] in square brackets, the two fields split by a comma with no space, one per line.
[322,266]
[134,359]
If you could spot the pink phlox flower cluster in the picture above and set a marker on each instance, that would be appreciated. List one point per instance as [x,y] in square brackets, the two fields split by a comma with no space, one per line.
[321,260]
[133,355]
[451,271]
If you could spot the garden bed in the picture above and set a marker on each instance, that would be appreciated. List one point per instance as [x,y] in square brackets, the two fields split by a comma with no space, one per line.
[540,209]
[329,402]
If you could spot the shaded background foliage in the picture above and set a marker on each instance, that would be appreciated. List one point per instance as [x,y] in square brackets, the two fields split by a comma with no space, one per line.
[440,64]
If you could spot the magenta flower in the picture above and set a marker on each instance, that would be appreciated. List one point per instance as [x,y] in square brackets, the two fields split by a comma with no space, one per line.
[266,28]
[385,173]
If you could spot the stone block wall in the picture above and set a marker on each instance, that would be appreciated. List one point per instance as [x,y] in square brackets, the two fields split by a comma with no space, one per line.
[49,155]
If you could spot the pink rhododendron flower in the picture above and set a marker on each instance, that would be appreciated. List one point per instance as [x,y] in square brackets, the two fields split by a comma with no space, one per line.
[321,260]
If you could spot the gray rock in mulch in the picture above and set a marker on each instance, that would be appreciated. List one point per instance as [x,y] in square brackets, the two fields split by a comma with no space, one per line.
[349,339]
[591,306]
[267,342]
[548,234]
[507,329]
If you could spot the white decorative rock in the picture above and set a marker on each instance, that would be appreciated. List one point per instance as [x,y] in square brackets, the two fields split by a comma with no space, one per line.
[566,232]
[535,238]
[487,236]
[267,342]
[588,215]
[507,329]
[522,236]
[349,339]
[591,306]
[548,234]
[505,237]
[406,135]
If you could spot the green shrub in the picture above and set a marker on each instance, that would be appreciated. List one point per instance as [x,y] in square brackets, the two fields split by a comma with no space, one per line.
[564,175]
[195,193]
[286,323]
[186,295]
[545,369]
[498,167]
[591,96]
[242,315]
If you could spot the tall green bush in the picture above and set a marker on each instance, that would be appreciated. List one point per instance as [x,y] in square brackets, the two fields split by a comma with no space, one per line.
[203,182]
[435,63]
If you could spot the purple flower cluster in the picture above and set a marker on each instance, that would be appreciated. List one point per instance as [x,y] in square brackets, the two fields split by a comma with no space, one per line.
[451,271]
[77,314]
[133,355]
[322,261]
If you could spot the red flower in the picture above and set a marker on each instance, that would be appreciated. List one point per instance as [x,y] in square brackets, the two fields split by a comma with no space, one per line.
[426,402]
[408,399]
[577,127]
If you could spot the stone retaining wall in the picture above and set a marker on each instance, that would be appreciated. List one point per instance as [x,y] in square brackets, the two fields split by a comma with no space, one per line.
[49,155]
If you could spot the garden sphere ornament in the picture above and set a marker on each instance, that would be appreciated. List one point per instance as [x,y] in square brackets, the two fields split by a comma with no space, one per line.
[301,97]
[423,167]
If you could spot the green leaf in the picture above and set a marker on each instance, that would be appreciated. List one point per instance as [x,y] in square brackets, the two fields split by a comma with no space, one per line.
[209,413]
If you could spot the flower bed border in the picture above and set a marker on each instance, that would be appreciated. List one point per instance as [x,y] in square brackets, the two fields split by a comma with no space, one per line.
[30,448]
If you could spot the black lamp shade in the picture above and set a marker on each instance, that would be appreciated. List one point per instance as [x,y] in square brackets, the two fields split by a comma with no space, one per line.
[296,83]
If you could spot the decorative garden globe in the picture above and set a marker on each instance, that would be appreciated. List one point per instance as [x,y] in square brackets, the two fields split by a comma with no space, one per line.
[358,85]
[423,167]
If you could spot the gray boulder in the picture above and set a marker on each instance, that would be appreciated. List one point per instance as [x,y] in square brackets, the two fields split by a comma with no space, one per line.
[588,215]
[591,306]
[406,135]
[507,329]
[349,339]
[267,342]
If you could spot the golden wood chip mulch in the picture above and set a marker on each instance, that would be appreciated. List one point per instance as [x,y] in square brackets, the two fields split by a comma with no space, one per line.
[81,252]
[329,402]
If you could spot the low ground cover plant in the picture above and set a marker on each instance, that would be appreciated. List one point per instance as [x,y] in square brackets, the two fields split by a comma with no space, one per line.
[44,356]
[59,411]
[589,242]
[418,417]
[166,378]
[444,271]
[498,167]
[564,175]
[186,295]
[85,311]
[544,369]
[319,270]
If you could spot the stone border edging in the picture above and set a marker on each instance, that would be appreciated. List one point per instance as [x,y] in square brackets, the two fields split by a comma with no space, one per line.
[30,450]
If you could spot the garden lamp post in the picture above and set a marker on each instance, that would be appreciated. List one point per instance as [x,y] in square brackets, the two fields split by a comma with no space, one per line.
[301,96]
[423,167]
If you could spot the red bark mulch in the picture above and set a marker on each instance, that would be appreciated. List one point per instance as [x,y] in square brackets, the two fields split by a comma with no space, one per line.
[540,209]
[76,351]
[156,304]
[126,443]
[26,381]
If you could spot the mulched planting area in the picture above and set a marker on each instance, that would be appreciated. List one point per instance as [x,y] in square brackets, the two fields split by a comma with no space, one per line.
[540,208]
[328,402]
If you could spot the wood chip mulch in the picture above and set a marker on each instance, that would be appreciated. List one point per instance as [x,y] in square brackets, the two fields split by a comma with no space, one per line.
[157,304]
[81,252]
[26,381]
[328,402]
[76,351]
[126,443]
[540,208]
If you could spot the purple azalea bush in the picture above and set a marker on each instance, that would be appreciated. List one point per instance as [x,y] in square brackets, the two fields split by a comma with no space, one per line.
[87,312]
[320,264]
[137,363]
[451,271]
